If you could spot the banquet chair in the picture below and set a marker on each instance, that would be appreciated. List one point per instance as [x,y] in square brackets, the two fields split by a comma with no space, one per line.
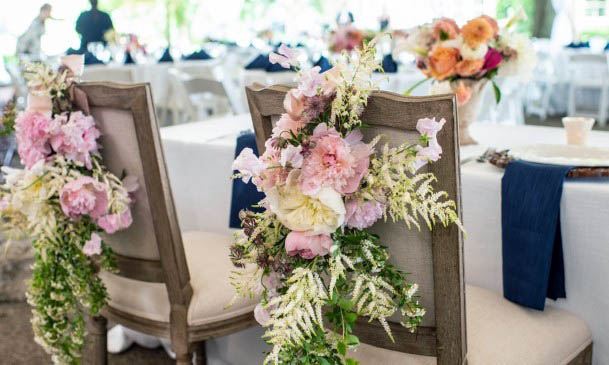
[463,324]
[589,72]
[122,74]
[170,284]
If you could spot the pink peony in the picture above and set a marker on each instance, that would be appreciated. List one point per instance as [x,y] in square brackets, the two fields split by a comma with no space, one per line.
[286,56]
[310,81]
[112,223]
[293,103]
[492,59]
[93,245]
[261,315]
[292,156]
[285,125]
[335,162]
[362,214]
[32,134]
[307,246]
[84,196]
[75,137]
[248,165]
[430,127]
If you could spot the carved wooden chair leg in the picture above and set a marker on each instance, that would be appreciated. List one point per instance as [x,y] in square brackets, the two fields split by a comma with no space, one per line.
[96,351]
[200,354]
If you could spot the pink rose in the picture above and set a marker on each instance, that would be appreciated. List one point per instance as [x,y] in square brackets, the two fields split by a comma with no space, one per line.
[248,165]
[492,59]
[261,315]
[75,63]
[293,103]
[307,246]
[310,81]
[84,196]
[32,135]
[286,56]
[75,138]
[93,245]
[430,127]
[112,223]
[40,103]
[362,214]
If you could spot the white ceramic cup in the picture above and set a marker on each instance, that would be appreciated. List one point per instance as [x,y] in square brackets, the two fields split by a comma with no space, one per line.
[577,129]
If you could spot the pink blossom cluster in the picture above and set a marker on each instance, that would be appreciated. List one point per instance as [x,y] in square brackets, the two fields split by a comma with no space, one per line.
[72,135]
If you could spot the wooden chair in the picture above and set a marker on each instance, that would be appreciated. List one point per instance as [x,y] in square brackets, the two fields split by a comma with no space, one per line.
[495,329]
[171,284]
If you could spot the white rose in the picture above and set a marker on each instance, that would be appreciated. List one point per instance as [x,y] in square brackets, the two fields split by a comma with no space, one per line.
[321,213]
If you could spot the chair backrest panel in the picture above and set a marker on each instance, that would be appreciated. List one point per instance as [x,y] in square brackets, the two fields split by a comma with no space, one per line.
[125,114]
[433,259]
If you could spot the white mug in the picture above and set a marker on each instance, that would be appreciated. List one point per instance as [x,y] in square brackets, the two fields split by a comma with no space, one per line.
[577,129]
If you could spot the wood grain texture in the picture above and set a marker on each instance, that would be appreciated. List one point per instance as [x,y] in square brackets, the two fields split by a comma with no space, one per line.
[138,269]
[95,344]
[583,358]
[447,340]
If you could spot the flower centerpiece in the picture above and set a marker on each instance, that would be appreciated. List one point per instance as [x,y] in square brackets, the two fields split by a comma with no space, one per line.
[309,252]
[64,200]
[464,59]
[346,38]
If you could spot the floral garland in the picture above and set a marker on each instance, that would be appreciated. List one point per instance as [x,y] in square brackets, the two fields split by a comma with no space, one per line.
[479,50]
[63,200]
[309,252]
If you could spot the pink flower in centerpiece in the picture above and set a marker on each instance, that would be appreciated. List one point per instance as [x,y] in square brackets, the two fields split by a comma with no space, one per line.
[445,28]
[430,127]
[75,138]
[112,223]
[84,196]
[93,245]
[286,56]
[335,162]
[292,156]
[293,103]
[492,59]
[248,164]
[310,81]
[287,124]
[362,214]
[32,134]
[463,93]
[307,246]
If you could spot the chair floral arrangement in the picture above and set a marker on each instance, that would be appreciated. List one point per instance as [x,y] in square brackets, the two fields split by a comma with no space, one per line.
[63,199]
[464,59]
[309,250]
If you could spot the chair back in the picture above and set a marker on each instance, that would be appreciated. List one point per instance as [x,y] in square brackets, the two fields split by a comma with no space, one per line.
[122,74]
[588,69]
[151,248]
[433,259]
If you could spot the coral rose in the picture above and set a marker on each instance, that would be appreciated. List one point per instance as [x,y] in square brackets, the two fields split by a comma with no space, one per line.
[445,28]
[442,62]
[467,68]
[477,31]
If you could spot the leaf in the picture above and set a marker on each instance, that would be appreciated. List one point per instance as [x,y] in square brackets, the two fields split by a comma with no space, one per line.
[342,348]
[352,340]
[497,91]
[352,362]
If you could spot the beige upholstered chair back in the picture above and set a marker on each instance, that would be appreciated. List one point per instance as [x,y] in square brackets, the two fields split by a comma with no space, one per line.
[151,249]
[433,259]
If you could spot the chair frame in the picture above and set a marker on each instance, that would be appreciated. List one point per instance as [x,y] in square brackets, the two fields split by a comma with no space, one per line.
[172,268]
[447,340]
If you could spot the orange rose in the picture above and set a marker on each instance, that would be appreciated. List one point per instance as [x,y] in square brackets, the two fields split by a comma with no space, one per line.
[467,68]
[442,62]
[477,31]
[445,28]
[493,24]
[463,93]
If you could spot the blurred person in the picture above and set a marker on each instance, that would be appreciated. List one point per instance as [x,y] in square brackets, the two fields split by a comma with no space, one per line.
[92,25]
[28,44]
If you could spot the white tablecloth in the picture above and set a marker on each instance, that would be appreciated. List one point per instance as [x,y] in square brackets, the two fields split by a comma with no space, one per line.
[199,156]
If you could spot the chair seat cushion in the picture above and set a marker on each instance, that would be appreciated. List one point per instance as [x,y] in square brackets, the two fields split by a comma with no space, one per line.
[503,333]
[209,264]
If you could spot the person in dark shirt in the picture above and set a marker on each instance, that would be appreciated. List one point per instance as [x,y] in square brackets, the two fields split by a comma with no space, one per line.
[92,25]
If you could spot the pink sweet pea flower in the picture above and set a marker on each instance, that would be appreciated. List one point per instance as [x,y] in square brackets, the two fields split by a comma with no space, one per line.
[287,124]
[248,165]
[84,196]
[93,245]
[433,153]
[287,56]
[430,127]
[307,246]
[492,59]
[75,63]
[75,138]
[310,81]
[362,214]
[261,315]
[292,156]
[112,223]
[293,103]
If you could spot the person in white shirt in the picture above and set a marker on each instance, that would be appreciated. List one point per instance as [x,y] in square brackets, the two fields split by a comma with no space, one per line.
[28,44]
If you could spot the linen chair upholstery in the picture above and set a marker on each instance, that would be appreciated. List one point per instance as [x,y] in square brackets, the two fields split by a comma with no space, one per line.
[169,284]
[498,332]
[122,74]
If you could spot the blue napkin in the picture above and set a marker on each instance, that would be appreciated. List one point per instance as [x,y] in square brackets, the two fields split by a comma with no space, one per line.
[607,47]
[533,266]
[323,63]
[389,64]
[90,59]
[578,45]
[197,55]
[261,62]
[166,57]
[129,59]
[275,67]
[244,195]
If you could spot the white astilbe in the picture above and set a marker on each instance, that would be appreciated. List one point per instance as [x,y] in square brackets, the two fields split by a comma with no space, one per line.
[373,298]
[246,282]
[297,313]
[43,81]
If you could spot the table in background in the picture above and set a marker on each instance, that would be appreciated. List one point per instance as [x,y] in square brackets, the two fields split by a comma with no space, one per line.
[199,157]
